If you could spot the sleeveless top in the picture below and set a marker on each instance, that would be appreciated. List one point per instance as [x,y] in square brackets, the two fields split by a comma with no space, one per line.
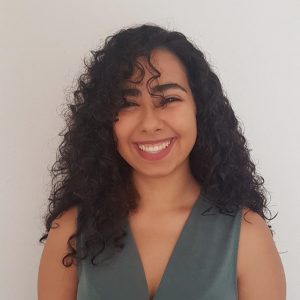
[202,265]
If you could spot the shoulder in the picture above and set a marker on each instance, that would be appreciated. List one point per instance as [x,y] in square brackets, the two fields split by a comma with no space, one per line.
[63,227]
[259,268]
[66,221]
[55,281]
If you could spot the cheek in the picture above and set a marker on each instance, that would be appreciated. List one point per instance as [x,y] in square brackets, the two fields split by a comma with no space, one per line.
[121,135]
[185,121]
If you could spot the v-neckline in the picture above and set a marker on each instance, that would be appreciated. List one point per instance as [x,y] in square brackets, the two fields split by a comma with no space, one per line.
[172,255]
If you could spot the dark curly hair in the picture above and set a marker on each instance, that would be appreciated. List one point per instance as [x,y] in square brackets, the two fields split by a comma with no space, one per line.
[90,174]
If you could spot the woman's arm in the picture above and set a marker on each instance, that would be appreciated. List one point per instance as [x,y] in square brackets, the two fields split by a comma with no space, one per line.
[55,281]
[259,267]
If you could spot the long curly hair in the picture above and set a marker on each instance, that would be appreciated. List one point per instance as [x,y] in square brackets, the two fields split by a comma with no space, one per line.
[90,174]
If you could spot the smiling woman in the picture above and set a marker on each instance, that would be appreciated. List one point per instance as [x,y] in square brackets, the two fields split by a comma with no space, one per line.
[156,139]
[154,192]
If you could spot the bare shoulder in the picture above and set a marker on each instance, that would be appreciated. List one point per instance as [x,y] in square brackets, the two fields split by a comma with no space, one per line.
[55,281]
[259,268]
[66,221]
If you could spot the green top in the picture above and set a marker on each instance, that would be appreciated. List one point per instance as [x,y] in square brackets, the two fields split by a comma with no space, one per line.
[202,264]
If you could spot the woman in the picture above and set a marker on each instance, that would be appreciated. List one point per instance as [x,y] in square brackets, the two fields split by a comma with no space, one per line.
[154,192]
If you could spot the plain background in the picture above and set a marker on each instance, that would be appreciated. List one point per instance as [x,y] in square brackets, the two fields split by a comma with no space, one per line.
[253,46]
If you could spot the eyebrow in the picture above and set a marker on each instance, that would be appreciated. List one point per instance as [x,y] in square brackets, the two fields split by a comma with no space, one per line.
[157,88]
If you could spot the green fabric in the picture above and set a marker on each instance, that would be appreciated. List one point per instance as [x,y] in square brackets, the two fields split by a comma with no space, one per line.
[202,264]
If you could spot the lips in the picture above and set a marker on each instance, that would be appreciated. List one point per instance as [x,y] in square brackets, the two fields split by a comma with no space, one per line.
[154,142]
[155,156]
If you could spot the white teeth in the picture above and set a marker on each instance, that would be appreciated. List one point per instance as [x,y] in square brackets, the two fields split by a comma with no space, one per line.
[154,148]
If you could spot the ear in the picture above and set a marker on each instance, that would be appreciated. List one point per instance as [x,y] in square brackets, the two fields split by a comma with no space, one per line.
[195,107]
[115,137]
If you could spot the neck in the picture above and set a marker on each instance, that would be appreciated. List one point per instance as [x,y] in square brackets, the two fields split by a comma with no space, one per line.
[166,193]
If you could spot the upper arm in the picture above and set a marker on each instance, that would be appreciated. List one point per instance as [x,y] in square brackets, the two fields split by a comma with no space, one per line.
[260,271]
[55,281]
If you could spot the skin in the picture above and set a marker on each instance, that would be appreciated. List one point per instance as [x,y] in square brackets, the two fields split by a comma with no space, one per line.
[146,119]
[260,273]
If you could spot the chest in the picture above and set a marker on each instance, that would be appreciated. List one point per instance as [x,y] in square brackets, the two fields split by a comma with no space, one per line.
[155,243]
[159,261]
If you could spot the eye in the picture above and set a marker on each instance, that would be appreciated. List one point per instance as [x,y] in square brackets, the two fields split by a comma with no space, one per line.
[126,103]
[168,100]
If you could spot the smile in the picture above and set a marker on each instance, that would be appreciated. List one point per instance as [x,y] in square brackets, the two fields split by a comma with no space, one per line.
[156,151]
[155,148]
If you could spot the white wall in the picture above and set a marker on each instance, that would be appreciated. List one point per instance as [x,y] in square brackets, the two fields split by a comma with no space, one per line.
[254,46]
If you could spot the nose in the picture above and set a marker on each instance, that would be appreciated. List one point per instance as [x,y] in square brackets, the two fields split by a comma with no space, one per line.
[151,120]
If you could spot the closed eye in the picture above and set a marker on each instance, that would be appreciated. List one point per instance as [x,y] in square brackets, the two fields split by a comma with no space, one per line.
[127,103]
[165,101]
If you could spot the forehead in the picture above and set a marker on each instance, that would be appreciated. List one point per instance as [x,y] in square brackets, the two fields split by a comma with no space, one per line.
[168,64]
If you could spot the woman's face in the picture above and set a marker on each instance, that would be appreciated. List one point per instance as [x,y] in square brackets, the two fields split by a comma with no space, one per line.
[156,140]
